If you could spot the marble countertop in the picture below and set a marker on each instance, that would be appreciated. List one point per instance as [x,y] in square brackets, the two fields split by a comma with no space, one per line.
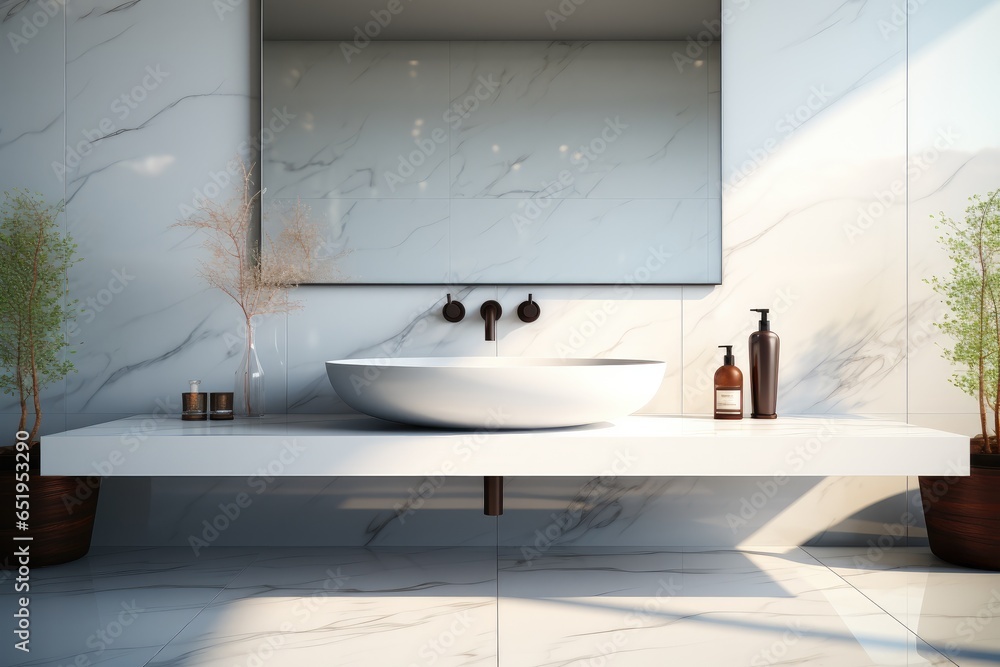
[646,445]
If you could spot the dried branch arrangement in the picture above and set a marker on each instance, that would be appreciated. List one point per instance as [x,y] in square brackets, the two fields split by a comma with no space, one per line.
[256,277]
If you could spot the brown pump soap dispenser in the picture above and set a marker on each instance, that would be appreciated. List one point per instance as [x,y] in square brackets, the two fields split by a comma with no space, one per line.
[728,388]
[764,346]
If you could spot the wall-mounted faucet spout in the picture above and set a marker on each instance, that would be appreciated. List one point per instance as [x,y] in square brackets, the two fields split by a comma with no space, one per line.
[491,312]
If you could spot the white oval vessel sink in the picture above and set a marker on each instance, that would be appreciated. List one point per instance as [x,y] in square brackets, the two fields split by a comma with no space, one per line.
[494,393]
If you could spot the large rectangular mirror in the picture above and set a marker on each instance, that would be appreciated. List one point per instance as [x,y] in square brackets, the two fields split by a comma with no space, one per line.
[513,146]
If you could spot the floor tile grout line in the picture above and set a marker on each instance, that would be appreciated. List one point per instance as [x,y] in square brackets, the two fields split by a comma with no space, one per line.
[885,611]
[497,645]
[203,608]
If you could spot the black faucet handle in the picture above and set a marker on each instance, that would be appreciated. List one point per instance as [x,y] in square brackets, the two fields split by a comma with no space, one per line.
[453,311]
[529,311]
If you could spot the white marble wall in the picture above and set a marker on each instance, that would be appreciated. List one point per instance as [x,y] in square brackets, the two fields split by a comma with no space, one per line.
[846,292]
[500,162]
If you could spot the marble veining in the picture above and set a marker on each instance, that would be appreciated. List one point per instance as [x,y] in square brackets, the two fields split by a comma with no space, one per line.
[354,122]
[489,606]
[469,162]
[722,607]
[640,132]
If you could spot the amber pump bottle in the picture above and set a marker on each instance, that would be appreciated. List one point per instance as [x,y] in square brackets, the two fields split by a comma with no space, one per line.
[728,388]
[764,346]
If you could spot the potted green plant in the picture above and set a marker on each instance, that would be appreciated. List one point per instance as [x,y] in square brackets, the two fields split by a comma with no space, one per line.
[963,513]
[34,309]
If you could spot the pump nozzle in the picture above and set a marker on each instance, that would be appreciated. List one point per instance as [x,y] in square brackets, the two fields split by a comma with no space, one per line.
[764,325]
[729,359]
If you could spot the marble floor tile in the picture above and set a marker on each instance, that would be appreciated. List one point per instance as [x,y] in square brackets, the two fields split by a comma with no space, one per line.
[955,610]
[753,608]
[384,571]
[411,607]
[349,607]
[117,607]
[129,568]
[292,628]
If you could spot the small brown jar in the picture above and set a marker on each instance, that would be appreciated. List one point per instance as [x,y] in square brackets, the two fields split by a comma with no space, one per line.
[221,403]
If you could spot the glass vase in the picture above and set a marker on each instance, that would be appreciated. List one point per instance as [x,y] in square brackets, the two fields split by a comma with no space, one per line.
[248,392]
